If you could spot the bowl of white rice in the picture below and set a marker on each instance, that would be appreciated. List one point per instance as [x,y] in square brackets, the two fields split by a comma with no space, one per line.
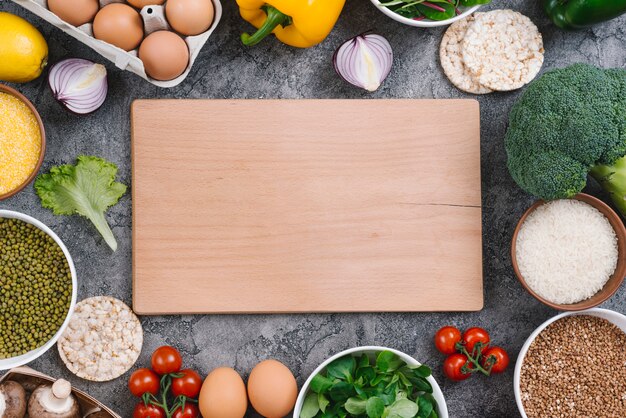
[570,254]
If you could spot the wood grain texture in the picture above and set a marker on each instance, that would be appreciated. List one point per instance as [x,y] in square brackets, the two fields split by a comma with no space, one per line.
[306,206]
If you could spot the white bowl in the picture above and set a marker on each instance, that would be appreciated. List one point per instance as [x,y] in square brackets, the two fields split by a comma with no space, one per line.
[442,409]
[9,363]
[614,317]
[426,23]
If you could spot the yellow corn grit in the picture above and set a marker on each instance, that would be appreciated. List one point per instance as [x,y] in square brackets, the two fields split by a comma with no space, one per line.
[20,142]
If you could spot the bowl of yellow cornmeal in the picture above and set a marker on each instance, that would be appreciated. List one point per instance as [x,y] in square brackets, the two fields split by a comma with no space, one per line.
[22,142]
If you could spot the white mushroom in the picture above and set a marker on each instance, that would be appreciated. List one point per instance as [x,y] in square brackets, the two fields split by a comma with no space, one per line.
[54,401]
[12,400]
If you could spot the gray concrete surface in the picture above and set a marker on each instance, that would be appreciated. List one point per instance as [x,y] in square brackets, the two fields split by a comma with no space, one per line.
[225,69]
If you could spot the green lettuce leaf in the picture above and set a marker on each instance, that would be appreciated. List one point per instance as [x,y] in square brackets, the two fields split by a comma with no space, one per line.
[87,188]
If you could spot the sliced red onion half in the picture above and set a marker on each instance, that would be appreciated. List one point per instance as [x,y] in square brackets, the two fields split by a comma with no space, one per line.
[79,85]
[364,61]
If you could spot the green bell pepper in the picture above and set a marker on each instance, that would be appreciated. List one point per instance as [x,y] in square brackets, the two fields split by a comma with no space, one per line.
[576,14]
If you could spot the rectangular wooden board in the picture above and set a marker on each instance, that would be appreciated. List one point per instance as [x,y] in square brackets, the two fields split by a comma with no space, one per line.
[267,206]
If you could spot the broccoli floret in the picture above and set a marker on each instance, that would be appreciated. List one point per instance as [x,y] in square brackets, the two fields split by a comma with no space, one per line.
[569,123]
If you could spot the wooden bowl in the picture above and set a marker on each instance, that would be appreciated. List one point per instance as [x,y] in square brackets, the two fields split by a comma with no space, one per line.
[611,285]
[31,177]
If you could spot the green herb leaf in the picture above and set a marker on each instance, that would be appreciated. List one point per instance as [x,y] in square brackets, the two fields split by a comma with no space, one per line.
[404,380]
[449,11]
[322,401]
[425,407]
[342,368]
[469,3]
[381,378]
[403,408]
[364,361]
[310,406]
[423,371]
[320,384]
[374,407]
[388,361]
[355,406]
[420,384]
[87,188]
[367,373]
[341,391]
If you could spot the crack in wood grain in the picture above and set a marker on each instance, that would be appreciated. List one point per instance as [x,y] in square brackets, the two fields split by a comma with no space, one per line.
[439,204]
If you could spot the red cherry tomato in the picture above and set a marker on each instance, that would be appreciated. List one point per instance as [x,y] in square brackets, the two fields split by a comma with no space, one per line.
[143,381]
[452,367]
[473,336]
[166,360]
[497,354]
[446,339]
[148,411]
[188,385]
[190,411]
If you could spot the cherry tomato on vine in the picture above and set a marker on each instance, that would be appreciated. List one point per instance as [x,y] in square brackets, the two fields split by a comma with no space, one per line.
[143,381]
[446,339]
[452,367]
[188,384]
[500,356]
[474,335]
[166,360]
[190,411]
[148,411]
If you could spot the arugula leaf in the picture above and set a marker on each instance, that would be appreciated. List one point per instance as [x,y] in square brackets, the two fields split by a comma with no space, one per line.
[310,406]
[321,384]
[87,188]
[342,368]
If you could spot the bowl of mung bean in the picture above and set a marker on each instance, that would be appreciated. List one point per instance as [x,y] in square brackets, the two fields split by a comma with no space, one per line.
[37,288]
[572,365]
[22,142]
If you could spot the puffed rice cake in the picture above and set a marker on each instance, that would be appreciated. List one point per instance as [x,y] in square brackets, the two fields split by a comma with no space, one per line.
[503,50]
[103,339]
[451,56]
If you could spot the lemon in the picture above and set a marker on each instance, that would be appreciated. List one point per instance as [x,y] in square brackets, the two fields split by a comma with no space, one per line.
[23,50]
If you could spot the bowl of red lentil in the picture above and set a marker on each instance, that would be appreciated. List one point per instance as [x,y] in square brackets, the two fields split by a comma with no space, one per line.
[22,142]
[574,365]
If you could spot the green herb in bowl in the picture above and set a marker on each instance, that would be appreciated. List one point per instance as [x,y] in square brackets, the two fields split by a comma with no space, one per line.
[384,386]
[430,9]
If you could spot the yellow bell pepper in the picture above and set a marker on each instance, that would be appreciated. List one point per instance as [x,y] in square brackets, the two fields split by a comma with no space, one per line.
[299,23]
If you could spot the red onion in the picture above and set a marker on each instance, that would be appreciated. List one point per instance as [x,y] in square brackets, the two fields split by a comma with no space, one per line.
[78,84]
[364,61]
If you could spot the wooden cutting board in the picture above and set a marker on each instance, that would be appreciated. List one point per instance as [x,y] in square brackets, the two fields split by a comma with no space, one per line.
[306,206]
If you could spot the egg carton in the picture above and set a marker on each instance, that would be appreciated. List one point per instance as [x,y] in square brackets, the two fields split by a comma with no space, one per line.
[30,379]
[126,60]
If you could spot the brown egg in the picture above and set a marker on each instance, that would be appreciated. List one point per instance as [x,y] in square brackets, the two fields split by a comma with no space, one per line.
[164,54]
[120,25]
[189,17]
[141,3]
[272,389]
[223,395]
[74,12]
